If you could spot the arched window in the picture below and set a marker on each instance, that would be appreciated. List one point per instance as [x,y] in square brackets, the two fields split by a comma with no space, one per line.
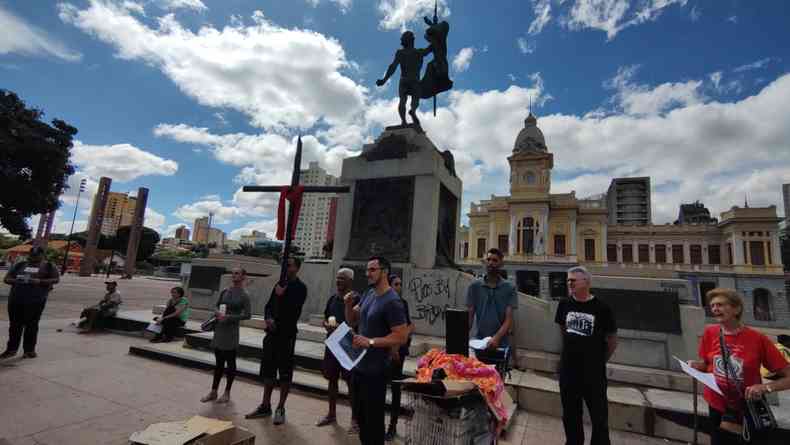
[526,235]
[762,304]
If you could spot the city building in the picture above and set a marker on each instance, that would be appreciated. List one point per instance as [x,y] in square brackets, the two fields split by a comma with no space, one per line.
[542,234]
[314,216]
[695,213]
[118,212]
[628,201]
[182,233]
[253,238]
[216,236]
[200,230]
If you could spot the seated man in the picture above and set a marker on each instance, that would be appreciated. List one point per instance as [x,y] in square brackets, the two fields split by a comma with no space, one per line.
[492,300]
[92,317]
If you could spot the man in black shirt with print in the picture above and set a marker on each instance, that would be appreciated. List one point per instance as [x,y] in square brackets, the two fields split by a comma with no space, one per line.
[589,338]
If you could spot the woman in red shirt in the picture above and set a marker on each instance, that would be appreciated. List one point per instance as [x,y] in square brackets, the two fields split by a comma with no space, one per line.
[749,350]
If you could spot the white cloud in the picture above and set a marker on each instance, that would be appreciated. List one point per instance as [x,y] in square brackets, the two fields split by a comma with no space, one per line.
[21,37]
[754,65]
[715,77]
[121,162]
[637,99]
[398,13]
[695,13]
[463,59]
[195,5]
[525,46]
[212,197]
[343,5]
[612,16]
[154,220]
[170,230]
[268,226]
[222,214]
[281,78]
[133,6]
[542,9]
[732,19]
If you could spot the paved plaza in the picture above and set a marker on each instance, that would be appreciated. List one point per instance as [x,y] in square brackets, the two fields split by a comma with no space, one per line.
[86,389]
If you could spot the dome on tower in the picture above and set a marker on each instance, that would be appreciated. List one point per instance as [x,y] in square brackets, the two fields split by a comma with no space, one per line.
[530,138]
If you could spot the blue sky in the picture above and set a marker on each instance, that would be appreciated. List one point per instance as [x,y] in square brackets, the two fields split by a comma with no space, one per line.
[195,98]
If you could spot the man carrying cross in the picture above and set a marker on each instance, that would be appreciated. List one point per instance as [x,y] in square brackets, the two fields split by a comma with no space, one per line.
[284,308]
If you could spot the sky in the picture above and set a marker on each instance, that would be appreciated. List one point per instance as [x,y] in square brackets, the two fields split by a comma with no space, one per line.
[195,98]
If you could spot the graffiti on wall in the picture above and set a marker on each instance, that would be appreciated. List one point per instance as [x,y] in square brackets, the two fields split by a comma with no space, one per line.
[431,296]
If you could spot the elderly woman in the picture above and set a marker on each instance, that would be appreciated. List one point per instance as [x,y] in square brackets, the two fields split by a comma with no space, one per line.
[175,315]
[748,350]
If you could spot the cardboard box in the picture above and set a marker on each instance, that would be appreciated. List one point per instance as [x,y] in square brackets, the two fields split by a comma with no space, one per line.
[196,431]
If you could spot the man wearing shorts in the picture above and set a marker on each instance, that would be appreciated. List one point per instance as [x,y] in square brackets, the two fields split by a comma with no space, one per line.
[282,313]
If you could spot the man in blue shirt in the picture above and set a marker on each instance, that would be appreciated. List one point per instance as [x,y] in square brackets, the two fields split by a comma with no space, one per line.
[381,319]
[491,301]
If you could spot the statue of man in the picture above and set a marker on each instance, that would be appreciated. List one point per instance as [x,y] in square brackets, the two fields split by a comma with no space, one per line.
[410,61]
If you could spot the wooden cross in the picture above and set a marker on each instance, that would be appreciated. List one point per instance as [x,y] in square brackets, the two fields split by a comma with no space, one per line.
[291,208]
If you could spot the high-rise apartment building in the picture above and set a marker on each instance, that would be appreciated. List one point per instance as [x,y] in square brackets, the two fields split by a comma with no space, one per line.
[200,230]
[628,201]
[182,233]
[216,236]
[118,212]
[314,215]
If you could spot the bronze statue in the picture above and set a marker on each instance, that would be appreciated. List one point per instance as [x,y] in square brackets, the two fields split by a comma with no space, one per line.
[436,79]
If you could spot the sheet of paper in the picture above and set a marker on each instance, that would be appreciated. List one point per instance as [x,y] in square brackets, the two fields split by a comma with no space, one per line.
[155,328]
[339,343]
[706,378]
[479,343]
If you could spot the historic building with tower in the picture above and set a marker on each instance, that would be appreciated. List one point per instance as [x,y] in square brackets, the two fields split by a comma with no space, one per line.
[544,233]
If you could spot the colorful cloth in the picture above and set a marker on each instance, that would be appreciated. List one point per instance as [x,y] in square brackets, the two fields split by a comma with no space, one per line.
[459,367]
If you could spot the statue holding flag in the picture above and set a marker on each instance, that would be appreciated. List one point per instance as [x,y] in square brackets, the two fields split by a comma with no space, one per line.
[436,78]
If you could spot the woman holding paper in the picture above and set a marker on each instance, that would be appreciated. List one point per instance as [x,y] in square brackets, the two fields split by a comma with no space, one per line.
[233,306]
[748,350]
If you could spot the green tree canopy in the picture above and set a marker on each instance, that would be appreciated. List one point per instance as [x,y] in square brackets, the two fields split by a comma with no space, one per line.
[148,240]
[34,162]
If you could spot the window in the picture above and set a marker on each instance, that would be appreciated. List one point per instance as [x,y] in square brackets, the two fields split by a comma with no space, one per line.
[644,253]
[589,249]
[530,178]
[756,252]
[503,244]
[762,304]
[628,253]
[729,253]
[714,254]
[466,249]
[481,247]
[559,244]
[695,250]
[677,254]
[768,245]
[526,235]
[611,253]
[661,254]
[704,288]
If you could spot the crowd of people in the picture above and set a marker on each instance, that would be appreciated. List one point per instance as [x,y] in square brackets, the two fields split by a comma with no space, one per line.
[380,319]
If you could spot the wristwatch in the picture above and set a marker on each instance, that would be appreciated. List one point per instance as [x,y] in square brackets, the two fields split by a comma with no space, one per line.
[371,342]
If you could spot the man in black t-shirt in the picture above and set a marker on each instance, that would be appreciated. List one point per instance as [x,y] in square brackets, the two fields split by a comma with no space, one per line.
[30,280]
[589,338]
[282,314]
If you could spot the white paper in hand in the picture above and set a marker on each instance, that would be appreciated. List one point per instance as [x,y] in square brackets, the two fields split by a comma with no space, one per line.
[479,343]
[155,328]
[706,378]
[340,344]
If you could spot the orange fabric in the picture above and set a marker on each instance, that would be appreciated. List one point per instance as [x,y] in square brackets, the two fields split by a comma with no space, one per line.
[459,367]
[294,196]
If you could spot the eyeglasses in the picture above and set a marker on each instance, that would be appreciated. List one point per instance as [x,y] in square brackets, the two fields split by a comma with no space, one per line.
[571,280]
[373,269]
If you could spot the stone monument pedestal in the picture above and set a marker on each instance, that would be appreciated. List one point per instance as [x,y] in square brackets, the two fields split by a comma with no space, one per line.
[405,202]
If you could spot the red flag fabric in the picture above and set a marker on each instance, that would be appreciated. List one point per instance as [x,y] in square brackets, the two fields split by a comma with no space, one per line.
[294,196]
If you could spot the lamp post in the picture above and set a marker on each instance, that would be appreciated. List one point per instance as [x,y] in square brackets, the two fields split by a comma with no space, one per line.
[83,182]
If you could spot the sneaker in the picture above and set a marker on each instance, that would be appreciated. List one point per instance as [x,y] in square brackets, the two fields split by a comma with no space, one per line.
[224,398]
[260,412]
[30,354]
[326,420]
[209,397]
[7,354]
[279,416]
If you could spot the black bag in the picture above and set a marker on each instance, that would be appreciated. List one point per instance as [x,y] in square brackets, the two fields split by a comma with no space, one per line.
[758,419]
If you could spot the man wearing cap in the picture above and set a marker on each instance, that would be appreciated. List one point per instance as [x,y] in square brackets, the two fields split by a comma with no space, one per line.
[92,317]
[30,280]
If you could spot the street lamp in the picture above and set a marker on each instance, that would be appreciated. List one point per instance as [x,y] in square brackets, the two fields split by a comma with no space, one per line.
[83,182]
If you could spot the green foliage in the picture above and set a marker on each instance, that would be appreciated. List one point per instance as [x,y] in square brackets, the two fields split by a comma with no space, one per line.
[7,242]
[149,238]
[34,163]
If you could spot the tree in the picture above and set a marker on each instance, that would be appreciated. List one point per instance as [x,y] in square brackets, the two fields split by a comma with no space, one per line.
[148,240]
[34,163]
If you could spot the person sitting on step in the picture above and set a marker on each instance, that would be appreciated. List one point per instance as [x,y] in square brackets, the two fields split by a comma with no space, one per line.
[93,317]
[175,315]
